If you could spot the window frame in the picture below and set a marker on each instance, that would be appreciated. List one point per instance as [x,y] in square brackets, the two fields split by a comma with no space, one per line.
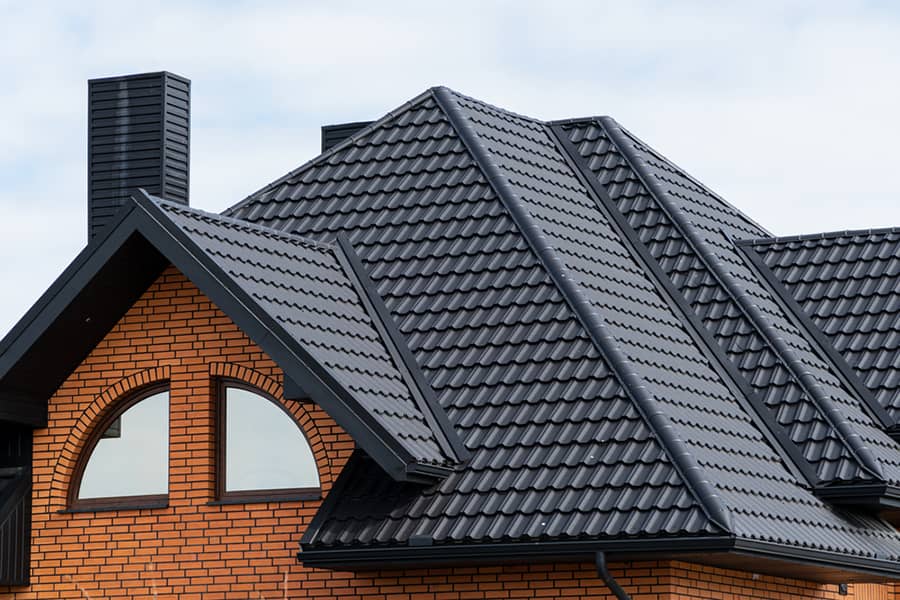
[249,496]
[141,501]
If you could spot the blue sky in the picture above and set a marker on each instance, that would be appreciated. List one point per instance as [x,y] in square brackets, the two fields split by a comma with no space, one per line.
[787,109]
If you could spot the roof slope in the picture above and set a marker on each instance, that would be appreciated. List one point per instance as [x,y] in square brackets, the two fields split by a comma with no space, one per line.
[546,340]
[865,450]
[688,231]
[300,301]
[306,288]
[848,284]
[558,447]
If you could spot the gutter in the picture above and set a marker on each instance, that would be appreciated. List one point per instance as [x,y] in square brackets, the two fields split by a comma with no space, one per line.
[359,558]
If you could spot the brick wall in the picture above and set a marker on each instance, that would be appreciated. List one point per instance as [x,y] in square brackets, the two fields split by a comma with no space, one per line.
[194,550]
[189,549]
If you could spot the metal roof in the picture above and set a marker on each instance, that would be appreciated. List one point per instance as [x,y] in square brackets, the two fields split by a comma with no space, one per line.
[612,359]
[848,284]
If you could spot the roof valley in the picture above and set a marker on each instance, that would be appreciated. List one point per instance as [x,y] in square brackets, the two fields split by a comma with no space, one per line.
[559,448]
[844,284]
[837,420]
[825,349]
[777,435]
[711,273]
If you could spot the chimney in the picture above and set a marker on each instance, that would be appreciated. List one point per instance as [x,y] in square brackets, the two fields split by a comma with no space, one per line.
[138,137]
[332,135]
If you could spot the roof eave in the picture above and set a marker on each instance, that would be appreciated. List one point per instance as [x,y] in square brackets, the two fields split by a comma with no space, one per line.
[722,551]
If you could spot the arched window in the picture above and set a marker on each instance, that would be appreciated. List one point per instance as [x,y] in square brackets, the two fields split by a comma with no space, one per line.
[262,452]
[125,462]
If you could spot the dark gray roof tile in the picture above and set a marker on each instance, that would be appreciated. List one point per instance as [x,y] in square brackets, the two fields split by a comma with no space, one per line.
[848,284]
[560,447]
[304,287]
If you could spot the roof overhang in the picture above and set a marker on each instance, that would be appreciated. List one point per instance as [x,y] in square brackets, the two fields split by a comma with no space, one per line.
[719,551]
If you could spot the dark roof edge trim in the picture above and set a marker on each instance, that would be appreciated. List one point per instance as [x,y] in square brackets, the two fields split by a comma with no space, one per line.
[826,349]
[23,411]
[399,556]
[830,412]
[874,495]
[775,433]
[684,462]
[423,394]
[290,356]
[627,549]
[822,558]
[825,235]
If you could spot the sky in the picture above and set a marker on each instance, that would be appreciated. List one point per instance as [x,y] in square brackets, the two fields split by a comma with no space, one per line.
[789,110]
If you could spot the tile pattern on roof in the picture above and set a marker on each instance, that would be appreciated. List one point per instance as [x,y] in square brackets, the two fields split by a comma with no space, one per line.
[848,283]
[764,497]
[558,449]
[303,287]
[717,225]
[744,345]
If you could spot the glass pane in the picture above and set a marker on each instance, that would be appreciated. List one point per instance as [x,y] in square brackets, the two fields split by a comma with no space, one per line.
[132,456]
[265,449]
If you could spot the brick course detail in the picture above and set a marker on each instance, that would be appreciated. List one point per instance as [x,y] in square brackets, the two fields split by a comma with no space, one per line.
[192,549]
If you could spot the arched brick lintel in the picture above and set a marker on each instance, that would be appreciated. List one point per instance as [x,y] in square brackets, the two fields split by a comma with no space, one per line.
[90,416]
[297,410]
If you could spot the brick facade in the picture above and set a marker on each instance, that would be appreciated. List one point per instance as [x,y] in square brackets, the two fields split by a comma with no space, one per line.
[192,549]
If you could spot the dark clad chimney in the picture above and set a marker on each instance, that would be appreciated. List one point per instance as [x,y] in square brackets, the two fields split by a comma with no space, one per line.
[138,137]
[332,135]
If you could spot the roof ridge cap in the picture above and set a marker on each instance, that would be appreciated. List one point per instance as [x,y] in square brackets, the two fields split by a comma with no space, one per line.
[423,394]
[654,418]
[500,109]
[324,155]
[824,235]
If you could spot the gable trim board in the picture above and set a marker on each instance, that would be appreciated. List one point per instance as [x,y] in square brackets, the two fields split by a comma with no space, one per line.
[144,217]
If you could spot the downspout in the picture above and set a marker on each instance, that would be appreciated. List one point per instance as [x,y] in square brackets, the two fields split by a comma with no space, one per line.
[611,583]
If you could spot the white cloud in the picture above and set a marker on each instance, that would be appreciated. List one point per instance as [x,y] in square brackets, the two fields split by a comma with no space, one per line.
[786,109]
